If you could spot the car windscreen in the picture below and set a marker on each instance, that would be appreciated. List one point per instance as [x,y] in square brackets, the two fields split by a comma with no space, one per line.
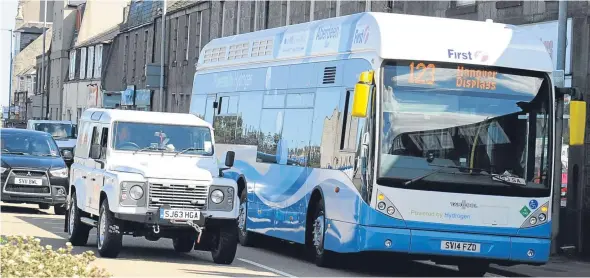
[28,144]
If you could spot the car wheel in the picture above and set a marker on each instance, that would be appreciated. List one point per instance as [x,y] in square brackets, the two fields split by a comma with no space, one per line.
[44,206]
[77,231]
[109,239]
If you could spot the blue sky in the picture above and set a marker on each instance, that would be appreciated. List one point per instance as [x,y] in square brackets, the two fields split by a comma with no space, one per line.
[7,14]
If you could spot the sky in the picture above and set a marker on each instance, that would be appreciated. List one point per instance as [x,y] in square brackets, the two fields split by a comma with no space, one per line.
[7,15]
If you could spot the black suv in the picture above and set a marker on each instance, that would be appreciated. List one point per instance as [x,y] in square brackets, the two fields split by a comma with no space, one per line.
[33,170]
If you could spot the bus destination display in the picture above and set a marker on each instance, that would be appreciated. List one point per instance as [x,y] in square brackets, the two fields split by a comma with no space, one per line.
[428,74]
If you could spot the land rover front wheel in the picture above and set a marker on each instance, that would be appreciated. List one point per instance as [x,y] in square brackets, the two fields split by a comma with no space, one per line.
[77,231]
[224,244]
[108,238]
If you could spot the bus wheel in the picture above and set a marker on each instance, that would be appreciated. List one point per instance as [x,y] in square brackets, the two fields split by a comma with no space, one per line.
[473,269]
[323,258]
[246,238]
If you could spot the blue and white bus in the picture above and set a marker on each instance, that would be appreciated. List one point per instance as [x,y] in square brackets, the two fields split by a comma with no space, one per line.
[388,132]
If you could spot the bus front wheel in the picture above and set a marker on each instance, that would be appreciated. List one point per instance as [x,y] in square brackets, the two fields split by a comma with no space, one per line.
[245,237]
[323,258]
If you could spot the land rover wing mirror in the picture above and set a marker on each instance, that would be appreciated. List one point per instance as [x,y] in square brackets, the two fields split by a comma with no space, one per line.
[229,159]
[67,154]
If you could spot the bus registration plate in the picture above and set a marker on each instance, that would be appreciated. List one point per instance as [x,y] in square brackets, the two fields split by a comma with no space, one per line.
[460,246]
[177,214]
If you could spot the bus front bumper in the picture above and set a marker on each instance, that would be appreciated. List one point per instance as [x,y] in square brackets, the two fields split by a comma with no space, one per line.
[422,243]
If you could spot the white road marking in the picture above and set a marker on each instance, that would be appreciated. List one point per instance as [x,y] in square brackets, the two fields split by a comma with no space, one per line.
[267,268]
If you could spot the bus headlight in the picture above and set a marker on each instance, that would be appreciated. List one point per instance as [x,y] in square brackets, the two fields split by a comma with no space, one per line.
[533,220]
[390,210]
[542,217]
[217,196]
[381,205]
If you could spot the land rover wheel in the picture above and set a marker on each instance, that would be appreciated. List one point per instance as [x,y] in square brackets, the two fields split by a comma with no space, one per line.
[43,206]
[224,244]
[60,209]
[184,243]
[323,258]
[246,238]
[77,231]
[108,238]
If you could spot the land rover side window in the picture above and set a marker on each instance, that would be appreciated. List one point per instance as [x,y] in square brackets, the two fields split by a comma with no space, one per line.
[103,142]
[95,146]
[167,138]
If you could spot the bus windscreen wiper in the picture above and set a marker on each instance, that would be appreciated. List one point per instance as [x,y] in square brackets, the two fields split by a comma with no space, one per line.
[505,178]
[441,167]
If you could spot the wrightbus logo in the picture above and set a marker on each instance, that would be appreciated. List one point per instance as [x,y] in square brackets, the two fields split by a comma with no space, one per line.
[463,205]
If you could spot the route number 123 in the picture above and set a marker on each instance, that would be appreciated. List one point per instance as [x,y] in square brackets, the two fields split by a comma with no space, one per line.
[421,73]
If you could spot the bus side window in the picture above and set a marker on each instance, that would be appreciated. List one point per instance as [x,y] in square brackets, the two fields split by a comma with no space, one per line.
[326,130]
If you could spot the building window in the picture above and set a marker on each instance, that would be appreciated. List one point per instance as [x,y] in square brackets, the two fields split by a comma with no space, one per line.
[90,62]
[175,41]
[187,40]
[83,63]
[198,39]
[98,61]
[134,65]
[145,46]
[125,56]
[460,3]
[72,73]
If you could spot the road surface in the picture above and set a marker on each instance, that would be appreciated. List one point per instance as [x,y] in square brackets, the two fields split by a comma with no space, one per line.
[140,257]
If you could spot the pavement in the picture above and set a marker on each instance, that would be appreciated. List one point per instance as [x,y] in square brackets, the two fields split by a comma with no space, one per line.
[273,258]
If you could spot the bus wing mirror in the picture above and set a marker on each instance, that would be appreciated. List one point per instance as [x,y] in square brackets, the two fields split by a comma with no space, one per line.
[577,122]
[362,90]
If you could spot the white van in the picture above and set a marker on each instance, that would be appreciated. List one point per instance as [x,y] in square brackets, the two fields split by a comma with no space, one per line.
[154,175]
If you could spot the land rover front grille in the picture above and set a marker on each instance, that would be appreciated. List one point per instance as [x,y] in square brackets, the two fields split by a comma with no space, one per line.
[177,195]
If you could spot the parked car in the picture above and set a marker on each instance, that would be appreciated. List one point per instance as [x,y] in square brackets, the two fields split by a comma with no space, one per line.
[64,133]
[33,170]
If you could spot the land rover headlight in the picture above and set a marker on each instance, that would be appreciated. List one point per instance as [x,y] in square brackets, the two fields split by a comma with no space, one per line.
[217,196]
[60,173]
[136,192]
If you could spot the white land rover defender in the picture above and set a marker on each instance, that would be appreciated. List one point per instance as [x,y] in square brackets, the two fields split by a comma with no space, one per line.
[152,175]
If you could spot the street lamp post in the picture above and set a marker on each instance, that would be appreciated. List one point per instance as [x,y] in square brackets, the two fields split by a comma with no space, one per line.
[10,77]
[10,71]
[162,52]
